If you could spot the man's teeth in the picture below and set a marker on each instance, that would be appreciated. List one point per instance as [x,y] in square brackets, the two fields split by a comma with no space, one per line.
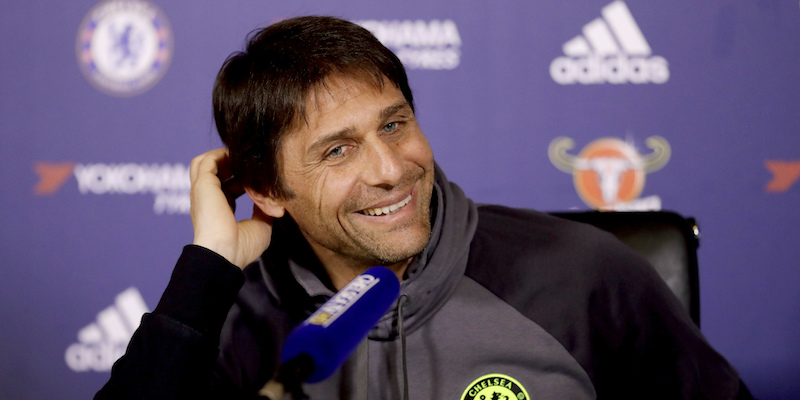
[388,209]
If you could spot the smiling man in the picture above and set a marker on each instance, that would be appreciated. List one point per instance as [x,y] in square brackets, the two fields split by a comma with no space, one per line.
[361,175]
[319,129]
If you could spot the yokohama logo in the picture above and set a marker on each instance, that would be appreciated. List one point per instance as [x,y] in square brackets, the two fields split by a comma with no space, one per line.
[613,50]
[431,45]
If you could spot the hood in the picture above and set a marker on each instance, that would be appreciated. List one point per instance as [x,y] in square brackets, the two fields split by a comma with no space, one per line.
[431,277]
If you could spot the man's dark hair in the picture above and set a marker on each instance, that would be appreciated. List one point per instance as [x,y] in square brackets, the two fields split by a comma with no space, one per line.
[261,93]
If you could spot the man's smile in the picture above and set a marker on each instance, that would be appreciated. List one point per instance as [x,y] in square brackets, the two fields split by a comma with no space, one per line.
[387,209]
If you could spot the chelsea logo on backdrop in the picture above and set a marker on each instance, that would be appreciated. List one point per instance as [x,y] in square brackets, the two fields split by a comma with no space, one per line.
[124,46]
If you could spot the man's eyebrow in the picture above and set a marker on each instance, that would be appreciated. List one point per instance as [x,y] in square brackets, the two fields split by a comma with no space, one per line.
[393,109]
[332,137]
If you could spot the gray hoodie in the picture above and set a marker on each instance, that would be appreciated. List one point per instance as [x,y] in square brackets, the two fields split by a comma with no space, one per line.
[502,303]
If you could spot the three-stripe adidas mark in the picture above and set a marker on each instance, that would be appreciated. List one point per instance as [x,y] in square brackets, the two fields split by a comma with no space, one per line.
[103,342]
[611,49]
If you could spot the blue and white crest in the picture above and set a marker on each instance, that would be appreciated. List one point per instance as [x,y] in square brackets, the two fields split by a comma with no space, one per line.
[124,46]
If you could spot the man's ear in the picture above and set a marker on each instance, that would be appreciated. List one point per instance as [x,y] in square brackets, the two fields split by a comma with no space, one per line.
[268,204]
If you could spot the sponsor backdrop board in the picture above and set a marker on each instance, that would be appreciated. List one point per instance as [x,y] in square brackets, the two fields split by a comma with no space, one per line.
[554,105]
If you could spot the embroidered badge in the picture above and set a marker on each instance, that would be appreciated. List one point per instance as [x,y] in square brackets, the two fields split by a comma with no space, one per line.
[495,387]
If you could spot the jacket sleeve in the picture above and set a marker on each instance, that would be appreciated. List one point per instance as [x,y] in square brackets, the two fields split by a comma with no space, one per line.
[173,353]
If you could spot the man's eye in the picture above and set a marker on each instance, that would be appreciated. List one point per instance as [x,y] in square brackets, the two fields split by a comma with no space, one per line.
[336,151]
[390,127]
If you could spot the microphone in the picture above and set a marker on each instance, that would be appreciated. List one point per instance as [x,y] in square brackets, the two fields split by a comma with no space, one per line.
[316,348]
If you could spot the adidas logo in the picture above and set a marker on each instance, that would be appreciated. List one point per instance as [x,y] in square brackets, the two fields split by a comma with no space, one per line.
[612,49]
[101,343]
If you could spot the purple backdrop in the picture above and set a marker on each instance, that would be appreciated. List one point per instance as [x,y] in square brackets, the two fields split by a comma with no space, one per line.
[104,104]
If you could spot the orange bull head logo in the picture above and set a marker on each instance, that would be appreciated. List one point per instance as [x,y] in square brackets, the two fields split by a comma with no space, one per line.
[609,172]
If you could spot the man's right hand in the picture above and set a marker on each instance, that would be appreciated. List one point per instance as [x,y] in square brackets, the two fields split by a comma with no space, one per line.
[215,226]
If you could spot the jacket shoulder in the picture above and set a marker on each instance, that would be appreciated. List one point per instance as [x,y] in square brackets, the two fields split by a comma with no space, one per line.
[605,304]
[533,242]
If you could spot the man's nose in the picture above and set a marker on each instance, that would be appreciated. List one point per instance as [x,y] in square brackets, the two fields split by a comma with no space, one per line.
[384,165]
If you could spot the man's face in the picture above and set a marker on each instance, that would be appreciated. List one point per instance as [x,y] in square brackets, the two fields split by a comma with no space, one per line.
[362,174]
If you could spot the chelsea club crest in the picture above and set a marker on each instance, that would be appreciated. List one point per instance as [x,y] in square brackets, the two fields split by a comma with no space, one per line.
[124,46]
[495,387]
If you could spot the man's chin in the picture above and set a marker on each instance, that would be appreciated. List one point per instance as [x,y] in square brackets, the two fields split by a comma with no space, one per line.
[399,248]
[385,244]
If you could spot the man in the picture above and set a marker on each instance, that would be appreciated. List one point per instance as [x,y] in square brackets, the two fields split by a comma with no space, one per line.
[319,127]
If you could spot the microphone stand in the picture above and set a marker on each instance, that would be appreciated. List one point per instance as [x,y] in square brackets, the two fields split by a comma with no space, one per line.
[291,376]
